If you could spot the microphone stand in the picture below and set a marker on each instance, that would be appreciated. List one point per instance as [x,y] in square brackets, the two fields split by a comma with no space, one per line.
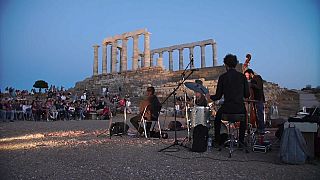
[191,64]
[176,142]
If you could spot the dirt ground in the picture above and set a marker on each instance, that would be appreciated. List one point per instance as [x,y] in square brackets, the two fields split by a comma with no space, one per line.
[84,150]
[81,150]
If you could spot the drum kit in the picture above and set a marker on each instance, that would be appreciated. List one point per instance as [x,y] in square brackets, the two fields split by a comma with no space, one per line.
[201,115]
[204,116]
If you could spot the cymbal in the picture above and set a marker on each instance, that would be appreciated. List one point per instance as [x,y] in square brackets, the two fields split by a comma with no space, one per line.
[196,87]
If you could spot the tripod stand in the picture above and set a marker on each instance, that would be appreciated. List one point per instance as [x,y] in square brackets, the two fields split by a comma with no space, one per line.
[176,142]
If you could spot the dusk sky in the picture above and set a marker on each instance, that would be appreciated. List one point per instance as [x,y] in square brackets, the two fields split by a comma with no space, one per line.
[52,39]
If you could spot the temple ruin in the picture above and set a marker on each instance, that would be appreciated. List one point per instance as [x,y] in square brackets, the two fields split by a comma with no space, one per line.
[147,55]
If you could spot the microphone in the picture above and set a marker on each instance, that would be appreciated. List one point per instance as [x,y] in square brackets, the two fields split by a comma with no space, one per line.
[191,60]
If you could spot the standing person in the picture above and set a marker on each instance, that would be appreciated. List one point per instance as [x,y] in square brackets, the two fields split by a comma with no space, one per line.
[257,87]
[152,112]
[9,110]
[251,108]
[233,86]
[128,104]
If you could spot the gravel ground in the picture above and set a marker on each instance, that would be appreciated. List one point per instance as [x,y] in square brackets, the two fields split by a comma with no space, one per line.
[72,150]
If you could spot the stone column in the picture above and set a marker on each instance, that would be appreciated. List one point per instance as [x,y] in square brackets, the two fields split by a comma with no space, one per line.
[191,57]
[120,58]
[203,56]
[104,58]
[124,64]
[95,59]
[170,61]
[160,60]
[141,62]
[114,56]
[214,54]
[151,60]
[135,52]
[181,59]
[146,49]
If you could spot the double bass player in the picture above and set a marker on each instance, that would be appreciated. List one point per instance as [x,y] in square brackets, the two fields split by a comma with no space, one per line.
[256,84]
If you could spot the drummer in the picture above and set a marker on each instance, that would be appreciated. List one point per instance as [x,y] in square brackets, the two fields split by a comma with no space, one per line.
[200,98]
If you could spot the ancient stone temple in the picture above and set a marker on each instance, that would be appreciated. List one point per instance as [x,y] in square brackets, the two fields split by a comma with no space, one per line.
[147,55]
[145,72]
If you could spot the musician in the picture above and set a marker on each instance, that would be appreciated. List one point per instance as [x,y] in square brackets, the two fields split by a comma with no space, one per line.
[251,97]
[153,105]
[257,86]
[200,98]
[251,106]
[233,86]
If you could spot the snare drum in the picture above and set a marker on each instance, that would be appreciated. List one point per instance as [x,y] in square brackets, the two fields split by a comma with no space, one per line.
[199,115]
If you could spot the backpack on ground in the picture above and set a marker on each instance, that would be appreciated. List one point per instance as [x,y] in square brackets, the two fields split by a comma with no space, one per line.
[293,148]
[199,138]
[118,128]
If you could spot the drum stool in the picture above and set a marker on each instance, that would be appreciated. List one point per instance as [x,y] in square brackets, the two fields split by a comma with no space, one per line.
[232,119]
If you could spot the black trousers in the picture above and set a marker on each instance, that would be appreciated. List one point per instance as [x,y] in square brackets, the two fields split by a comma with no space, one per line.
[217,126]
[135,122]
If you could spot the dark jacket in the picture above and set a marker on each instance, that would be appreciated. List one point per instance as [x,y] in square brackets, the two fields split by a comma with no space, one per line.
[257,86]
[233,86]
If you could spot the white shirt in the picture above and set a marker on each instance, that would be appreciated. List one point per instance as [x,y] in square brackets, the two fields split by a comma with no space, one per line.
[63,97]
[83,97]
[25,107]
[128,103]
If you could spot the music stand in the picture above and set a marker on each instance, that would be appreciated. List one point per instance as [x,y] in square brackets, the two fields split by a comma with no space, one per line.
[176,142]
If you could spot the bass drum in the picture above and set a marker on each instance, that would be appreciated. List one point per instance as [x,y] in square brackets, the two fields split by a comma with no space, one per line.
[223,130]
[199,115]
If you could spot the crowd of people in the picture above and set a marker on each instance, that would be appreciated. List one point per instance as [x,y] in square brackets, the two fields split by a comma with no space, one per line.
[58,104]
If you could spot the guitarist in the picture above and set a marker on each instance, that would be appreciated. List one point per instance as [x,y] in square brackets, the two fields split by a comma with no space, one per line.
[153,105]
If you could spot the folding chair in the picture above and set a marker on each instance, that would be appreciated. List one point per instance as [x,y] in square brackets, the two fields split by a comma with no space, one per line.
[143,121]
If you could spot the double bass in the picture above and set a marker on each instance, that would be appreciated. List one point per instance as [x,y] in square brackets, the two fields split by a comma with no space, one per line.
[251,109]
[246,63]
